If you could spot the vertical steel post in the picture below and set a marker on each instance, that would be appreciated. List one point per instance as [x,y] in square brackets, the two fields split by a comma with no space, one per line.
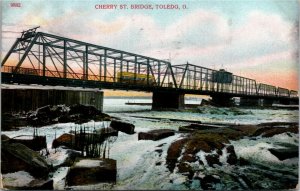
[115,70]
[121,68]
[148,63]
[158,74]
[135,65]
[100,68]
[139,68]
[200,78]
[105,66]
[195,77]
[183,76]
[86,62]
[246,86]
[65,59]
[44,59]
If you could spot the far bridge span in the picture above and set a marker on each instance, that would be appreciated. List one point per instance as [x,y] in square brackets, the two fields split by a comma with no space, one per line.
[46,59]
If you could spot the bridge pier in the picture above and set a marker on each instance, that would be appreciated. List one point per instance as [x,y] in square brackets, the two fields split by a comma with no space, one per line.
[223,100]
[249,101]
[167,100]
[285,102]
[294,102]
[266,102]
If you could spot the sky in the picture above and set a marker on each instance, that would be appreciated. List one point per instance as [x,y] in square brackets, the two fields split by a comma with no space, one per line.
[257,39]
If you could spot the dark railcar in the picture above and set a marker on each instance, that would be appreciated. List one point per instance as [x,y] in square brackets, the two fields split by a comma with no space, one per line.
[222,76]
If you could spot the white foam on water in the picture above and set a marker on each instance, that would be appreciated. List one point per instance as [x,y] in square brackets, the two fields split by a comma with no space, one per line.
[257,150]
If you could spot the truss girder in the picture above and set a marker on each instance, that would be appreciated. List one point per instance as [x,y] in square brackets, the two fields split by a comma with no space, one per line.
[49,55]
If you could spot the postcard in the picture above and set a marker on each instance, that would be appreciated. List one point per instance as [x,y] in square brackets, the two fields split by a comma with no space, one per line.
[149,95]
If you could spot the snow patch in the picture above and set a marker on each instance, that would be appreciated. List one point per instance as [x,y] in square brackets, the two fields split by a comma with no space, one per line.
[88,163]
[17,179]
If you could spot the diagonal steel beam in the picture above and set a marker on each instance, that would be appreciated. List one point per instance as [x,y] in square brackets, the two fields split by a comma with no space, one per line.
[10,51]
[26,52]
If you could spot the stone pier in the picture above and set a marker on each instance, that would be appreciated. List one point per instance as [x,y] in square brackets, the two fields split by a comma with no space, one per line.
[222,100]
[249,101]
[167,100]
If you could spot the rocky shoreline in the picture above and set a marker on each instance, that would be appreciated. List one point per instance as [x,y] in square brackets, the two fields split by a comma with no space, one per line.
[208,155]
[210,145]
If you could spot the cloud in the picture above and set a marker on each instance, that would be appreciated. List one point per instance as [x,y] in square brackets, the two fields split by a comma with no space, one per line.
[202,37]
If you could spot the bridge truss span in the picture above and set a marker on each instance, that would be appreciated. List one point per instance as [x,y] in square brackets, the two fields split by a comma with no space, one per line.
[49,55]
[48,59]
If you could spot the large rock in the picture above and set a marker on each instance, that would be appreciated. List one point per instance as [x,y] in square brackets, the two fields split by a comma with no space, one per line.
[279,130]
[122,126]
[174,152]
[286,151]
[39,184]
[195,126]
[4,138]
[62,157]
[212,159]
[35,143]
[92,171]
[107,132]
[190,146]
[156,134]
[231,155]
[67,140]
[60,113]
[18,157]
[42,116]
[208,181]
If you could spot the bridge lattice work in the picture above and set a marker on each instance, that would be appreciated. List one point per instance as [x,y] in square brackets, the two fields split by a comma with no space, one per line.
[42,58]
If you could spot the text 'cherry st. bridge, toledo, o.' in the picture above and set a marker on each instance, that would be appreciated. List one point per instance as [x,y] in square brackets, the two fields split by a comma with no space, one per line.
[46,59]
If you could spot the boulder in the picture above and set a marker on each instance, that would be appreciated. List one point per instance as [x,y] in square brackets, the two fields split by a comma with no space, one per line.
[212,159]
[155,135]
[185,168]
[4,137]
[18,157]
[92,171]
[289,151]
[84,110]
[35,143]
[122,126]
[174,152]
[208,181]
[195,126]
[77,113]
[66,139]
[231,158]
[42,116]
[279,130]
[39,184]
[189,158]
[62,157]
[107,132]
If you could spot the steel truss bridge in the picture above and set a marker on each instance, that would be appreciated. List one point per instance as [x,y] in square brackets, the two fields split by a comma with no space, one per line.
[47,59]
